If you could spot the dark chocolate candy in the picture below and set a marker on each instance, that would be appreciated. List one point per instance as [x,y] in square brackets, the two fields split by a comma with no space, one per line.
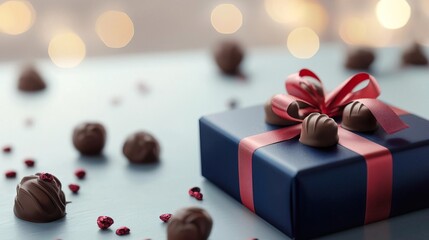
[89,138]
[414,56]
[319,130]
[357,117]
[30,80]
[190,224]
[272,118]
[228,56]
[39,198]
[360,59]
[141,147]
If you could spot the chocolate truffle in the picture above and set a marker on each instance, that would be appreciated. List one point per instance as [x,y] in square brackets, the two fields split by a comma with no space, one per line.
[190,224]
[39,198]
[357,117]
[272,118]
[141,147]
[89,138]
[30,80]
[319,130]
[360,59]
[228,56]
[414,56]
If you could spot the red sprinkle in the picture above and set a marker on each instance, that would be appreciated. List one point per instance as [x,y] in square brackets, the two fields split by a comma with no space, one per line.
[74,187]
[165,217]
[104,222]
[7,149]
[198,196]
[193,190]
[122,231]
[80,173]
[29,162]
[10,174]
[47,177]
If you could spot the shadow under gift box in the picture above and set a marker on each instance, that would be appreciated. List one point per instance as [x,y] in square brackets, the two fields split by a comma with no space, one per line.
[308,192]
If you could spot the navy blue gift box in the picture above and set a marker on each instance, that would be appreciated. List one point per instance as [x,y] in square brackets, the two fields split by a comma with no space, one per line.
[308,192]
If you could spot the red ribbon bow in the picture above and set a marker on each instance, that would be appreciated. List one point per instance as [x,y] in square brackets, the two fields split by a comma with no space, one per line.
[313,96]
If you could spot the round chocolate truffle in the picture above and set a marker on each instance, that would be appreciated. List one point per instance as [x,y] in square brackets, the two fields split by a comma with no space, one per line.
[414,56]
[30,80]
[360,59]
[39,198]
[228,56]
[274,119]
[357,117]
[89,138]
[190,224]
[141,147]
[319,130]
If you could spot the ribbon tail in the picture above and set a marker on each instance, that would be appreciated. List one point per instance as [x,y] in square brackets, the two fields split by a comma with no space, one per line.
[247,147]
[385,116]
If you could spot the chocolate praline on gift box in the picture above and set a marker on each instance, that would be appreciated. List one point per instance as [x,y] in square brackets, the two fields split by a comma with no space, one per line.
[274,119]
[89,138]
[141,147]
[190,224]
[357,117]
[319,130]
[30,80]
[228,56]
[414,55]
[39,198]
[360,59]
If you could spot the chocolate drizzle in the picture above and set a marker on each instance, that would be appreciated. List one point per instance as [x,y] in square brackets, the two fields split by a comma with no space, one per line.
[39,200]
[319,130]
[190,224]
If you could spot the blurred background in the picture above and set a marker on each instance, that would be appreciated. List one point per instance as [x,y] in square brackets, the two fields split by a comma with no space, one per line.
[67,31]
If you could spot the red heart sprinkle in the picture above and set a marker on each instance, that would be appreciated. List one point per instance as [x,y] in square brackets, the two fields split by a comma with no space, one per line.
[165,217]
[80,173]
[10,174]
[122,231]
[29,162]
[104,222]
[74,187]
[47,177]
[7,149]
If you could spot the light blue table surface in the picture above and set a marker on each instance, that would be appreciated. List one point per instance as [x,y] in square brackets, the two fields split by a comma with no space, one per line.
[183,86]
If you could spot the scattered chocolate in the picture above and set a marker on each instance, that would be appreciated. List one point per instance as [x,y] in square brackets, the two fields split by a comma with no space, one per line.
[89,138]
[104,222]
[7,149]
[165,217]
[274,119]
[39,198]
[115,101]
[228,56]
[190,224]
[141,147]
[74,188]
[30,80]
[122,231]
[319,130]
[80,173]
[10,174]
[360,59]
[28,122]
[357,117]
[232,103]
[414,55]
[143,87]
[29,162]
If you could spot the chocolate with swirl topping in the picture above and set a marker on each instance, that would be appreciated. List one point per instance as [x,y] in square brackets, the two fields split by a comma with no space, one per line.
[39,198]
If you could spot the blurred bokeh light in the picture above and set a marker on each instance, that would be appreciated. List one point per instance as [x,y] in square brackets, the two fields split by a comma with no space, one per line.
[303,42]
[115,29]
[226,18]
[353,30]
[67,49]
[393,14]
[16,17]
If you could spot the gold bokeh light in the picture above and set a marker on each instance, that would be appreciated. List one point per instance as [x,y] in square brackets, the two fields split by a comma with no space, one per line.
[16,17]
[393,14]
[67,50]
[115,29]
[354,31]
[303,42]
[226,18]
